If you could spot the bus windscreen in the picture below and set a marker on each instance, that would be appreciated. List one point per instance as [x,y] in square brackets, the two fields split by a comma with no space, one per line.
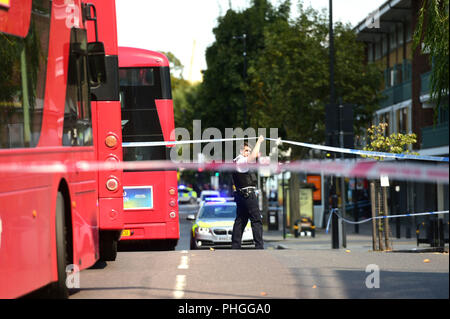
[139,88]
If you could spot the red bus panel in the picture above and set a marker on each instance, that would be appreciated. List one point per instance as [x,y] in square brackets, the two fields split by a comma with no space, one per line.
[15,17]
[107,127]
[45,118]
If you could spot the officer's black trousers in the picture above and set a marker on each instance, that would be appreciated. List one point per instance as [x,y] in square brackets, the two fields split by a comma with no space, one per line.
[247,208]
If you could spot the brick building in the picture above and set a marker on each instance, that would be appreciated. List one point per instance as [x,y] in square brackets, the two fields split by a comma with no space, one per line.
[406,106]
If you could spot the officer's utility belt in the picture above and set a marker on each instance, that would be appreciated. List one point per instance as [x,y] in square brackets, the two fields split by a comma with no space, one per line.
[246,191]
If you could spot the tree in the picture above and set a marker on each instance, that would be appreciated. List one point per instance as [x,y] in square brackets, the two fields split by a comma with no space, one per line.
[222,93]
[184,94]
[289,81]
[176,67]
[289,85]
[432,33]
[397,143]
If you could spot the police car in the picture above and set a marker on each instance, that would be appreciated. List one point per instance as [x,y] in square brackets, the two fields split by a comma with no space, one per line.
[213,226]
[186,195]
[207,194]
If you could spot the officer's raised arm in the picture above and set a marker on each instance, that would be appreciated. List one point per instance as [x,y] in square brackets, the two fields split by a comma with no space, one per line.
[255,153]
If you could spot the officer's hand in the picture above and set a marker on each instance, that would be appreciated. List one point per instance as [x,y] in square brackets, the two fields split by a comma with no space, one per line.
[260,139]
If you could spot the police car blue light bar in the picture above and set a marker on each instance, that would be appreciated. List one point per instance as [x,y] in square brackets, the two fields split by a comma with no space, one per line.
[219,199]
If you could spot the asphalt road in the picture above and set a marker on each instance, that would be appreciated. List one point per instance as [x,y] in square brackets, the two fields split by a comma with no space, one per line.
[269,273]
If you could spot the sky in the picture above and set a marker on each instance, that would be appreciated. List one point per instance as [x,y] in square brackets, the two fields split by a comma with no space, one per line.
[184,27]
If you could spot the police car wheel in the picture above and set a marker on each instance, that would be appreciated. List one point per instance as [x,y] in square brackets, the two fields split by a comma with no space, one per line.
[193,245]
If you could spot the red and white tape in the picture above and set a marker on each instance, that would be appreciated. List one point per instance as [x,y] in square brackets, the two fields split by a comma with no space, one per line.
[348,168]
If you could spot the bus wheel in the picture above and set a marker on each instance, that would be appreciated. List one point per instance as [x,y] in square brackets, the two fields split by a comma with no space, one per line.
[108,245]
[59,289]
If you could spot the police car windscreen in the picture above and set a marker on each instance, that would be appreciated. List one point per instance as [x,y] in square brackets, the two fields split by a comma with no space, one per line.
[227,212]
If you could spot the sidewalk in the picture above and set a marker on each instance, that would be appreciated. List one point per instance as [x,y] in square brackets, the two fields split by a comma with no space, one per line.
[357,242]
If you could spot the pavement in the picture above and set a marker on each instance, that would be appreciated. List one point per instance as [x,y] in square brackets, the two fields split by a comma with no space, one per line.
[361,241]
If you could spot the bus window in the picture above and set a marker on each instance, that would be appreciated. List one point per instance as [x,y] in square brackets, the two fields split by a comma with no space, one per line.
[23,67]
[77,113]
[139,88]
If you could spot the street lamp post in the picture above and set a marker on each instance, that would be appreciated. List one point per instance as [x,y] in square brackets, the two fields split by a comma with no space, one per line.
[334,217]
[244,72]
[343,201]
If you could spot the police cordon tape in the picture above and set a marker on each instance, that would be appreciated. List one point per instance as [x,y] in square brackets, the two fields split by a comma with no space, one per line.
[335,210]
[349,168]
[313,146]
[367,153]
[369,169]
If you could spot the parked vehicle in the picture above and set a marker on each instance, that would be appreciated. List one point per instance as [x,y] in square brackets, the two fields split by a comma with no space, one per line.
[213,225]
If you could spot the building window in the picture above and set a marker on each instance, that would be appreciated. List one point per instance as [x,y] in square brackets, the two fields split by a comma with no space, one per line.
[400,33]
[402,116]
[393,39]
[378,50]
[408,31]
[370,52]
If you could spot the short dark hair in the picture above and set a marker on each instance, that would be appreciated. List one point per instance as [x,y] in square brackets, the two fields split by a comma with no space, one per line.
[243,145]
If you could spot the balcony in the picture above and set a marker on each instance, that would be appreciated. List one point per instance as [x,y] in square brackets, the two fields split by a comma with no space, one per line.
[388,97]
[396,94]
[435,135]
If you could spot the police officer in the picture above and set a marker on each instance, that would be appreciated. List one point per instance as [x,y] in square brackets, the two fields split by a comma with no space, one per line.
[245,196]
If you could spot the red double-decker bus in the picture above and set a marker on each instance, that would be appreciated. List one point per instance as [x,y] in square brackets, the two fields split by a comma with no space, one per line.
[107,130]
[49,221]
[150,196]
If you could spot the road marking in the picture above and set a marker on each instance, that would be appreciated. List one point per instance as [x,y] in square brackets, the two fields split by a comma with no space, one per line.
[184,263]
[179,286]
[180,283]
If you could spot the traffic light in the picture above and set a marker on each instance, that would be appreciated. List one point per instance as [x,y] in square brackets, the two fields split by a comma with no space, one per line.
[217,174]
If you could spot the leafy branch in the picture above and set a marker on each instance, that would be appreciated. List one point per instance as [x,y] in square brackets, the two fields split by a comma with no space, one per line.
[378,141]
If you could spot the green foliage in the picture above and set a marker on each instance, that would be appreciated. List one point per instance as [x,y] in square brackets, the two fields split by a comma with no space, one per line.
[433,33]
[289,85]
[184,93]
[286,83]
[222,95]
[176,67]
[397,143]
[185,101]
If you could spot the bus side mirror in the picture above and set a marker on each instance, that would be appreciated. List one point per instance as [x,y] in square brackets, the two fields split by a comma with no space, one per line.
[96,60]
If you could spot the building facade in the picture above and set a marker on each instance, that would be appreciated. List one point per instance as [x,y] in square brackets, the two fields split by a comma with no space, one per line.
[406,105]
